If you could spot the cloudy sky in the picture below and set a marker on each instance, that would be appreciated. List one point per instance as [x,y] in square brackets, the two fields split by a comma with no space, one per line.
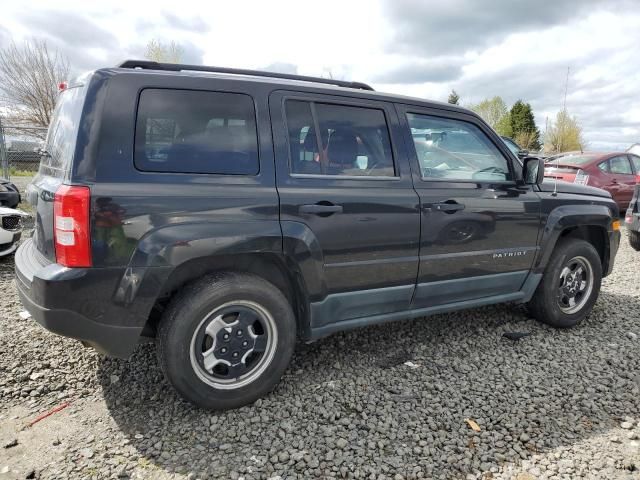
[519,49]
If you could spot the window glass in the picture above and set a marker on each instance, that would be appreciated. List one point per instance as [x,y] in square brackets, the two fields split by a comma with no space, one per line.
[620,165]
[62,133]
[196,132]
[636,163]
[354,140]
[604,166]
[456,150]
[303,146]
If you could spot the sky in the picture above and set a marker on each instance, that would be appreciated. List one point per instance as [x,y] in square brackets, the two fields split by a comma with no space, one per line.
[517,49]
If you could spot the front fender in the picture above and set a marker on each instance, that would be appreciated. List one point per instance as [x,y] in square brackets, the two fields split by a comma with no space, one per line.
[568,216]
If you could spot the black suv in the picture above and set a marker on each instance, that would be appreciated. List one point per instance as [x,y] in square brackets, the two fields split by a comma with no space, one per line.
[229,212]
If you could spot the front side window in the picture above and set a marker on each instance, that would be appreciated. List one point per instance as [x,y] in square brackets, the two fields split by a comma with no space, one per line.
[187,131]
[620,165]
[354,141]
[450,149]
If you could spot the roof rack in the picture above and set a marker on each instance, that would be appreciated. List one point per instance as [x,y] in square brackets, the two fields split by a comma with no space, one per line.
[178,67]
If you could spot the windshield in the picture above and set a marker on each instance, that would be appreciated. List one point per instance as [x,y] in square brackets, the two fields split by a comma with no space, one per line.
[63,130]
[574,159]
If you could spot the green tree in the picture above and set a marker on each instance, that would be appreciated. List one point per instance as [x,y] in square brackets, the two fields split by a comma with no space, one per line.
[454,98]
[565,134]
[504,126]
[523,126]
[164,53]
[492,110]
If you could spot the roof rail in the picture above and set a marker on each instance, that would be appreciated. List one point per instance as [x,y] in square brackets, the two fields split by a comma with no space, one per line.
[178,67]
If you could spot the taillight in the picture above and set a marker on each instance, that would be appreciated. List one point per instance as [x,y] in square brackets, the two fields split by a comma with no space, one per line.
[71,226]
[637,178]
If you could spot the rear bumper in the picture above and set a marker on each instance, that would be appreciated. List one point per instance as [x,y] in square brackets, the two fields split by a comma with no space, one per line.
[82,303]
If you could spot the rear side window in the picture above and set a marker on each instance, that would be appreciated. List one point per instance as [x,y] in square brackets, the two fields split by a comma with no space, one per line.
[188,131]
[63,132]
[456,150]
[636,163]
[354,141]
[620,165]
[604,166]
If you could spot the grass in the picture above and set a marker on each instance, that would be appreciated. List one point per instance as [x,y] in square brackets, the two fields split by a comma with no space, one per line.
[21,173]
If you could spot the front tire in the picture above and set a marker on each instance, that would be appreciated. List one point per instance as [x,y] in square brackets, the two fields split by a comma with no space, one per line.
[570,285]
[226,339]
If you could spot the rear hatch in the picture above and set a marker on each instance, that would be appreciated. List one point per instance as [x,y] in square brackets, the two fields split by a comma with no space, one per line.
[55,165]
[565,172]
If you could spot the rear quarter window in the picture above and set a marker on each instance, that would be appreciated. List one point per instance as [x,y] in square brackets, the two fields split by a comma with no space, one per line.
[188,131]
[63,132]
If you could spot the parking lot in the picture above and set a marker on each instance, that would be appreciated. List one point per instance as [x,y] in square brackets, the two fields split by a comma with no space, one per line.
[393,401]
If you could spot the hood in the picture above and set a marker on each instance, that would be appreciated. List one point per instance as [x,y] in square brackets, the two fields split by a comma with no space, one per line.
[12,211]
[566,187]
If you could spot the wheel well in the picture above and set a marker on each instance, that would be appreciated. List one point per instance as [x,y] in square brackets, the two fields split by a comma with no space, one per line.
[270,267]
[596,236]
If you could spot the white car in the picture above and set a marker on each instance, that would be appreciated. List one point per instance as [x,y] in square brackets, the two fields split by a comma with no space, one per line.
[10,229]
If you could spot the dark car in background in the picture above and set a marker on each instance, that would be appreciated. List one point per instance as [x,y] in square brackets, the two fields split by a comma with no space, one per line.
[615,172]
[9,194]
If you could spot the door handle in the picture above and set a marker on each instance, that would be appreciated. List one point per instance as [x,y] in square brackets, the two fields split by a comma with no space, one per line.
[446,207]
[320,209]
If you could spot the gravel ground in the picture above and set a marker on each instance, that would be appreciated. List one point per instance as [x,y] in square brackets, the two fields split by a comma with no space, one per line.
[555,404]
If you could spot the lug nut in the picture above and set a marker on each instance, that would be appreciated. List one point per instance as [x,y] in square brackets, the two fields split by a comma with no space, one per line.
[239,333]
[234,354]
[245,343]
[223,350]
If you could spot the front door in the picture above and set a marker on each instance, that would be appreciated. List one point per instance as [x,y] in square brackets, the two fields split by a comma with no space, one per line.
[346,191]
[479,226]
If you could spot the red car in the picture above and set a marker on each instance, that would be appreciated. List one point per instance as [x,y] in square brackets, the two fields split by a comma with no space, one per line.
[616,172]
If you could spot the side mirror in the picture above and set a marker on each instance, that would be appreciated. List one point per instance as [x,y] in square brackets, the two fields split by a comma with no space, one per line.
[533,171]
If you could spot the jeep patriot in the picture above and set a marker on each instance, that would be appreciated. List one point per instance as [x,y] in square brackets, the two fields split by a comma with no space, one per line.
[228,213]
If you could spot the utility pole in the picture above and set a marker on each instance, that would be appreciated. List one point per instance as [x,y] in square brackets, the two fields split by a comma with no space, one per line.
[566,88]
[564,114]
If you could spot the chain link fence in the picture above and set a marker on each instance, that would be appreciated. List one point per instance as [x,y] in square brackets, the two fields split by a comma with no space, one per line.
[19,149]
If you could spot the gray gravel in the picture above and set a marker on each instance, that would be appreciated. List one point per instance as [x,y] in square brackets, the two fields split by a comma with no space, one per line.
[554,404]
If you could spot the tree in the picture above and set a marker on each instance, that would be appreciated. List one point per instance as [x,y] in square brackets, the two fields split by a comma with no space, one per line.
[565,134]
[454,98]
[523,126]
[165,53]
[29,79]
[504,126]
[492,110]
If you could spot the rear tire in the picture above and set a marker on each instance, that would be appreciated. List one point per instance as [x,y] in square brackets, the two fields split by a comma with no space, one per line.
[634,240]
[226,339]
[570,285]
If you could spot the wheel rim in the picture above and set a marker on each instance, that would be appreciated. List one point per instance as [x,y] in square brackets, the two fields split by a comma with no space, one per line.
[575,285]
[233,345]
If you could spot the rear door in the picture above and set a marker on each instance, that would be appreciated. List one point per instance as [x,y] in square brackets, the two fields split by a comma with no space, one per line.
[621,180]
[479,227]
[343,175]
[55,164]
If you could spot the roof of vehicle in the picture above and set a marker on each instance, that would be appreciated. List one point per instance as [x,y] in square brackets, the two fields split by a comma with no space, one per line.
[282,79]
[591,156]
